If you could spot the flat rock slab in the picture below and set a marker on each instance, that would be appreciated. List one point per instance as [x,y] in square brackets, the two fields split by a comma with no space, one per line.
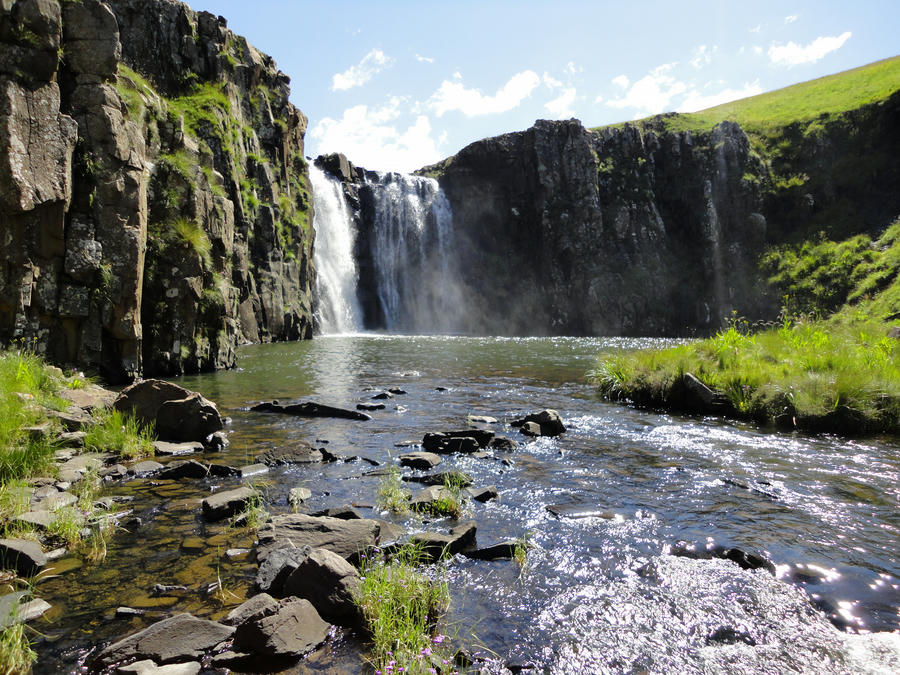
[92,461]
[465,441]
[296,452]
[252,470]
[184,469]
[480,419]
[39,519]
[145,468]
[347,538]
[89,397]
[225,504]
[166,449]
[310,409]
[435,545]
[182,637]
[15,608]
[501,550]
[420,460]
[290,628]
[54,501]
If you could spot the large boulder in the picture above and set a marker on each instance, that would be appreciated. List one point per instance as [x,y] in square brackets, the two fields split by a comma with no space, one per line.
[277,566]
[182,637]
[23,557]
[290,628]
[330,583]
[179,414]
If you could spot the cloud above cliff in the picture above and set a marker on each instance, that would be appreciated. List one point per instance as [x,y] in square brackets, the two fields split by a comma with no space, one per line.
[698,100]
[651,94]
[561,106]
[453,95]
[379,137]
[355,76]
[793,54]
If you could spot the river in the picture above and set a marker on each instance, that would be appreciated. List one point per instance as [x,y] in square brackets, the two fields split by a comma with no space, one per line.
[598,592]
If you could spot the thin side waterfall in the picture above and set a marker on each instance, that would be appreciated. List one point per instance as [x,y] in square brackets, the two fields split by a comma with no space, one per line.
[411,244]
[337,274]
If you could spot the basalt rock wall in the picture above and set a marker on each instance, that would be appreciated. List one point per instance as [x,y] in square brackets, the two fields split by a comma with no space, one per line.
[154,198]
[623,232]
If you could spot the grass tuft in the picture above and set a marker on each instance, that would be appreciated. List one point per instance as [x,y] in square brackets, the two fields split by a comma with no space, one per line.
[118,433]
[392,494]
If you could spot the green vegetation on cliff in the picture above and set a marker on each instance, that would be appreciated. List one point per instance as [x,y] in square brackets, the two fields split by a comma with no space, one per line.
[840,373]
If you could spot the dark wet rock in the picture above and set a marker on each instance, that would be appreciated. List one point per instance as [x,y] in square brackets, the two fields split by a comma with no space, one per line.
[441,389]
[444,443]
[548,423]
[177,413]
[342,512]
[419,460]
[310,409]
[244,611]
[347,538]
[148,667]
[457,478]
[579,511]
[726,635]
[370,407]
[182,637]
[276,566]
[330,583]
[435,546]
[500,551]
[222,505]
[382,396]
[216,442]
[396,391]
[747,560]
[166,449]
[295,452]
[483,494]
[184,468]
[145,468]
[253,470]
[223,471]
[290,628]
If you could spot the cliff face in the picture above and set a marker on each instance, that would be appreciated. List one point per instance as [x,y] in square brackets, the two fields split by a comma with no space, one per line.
[154,198]
[623,232]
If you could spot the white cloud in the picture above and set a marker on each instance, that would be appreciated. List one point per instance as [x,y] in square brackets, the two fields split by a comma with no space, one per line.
[561,106]
[471,102]
[790,19]
[572,69]
[621,81]
[695,100]
[366,136]
[424,59]
[703,56]
[793,54]
[652,93]
[550,81]
[756,28]
[757,49]
[355,76]
[599,99]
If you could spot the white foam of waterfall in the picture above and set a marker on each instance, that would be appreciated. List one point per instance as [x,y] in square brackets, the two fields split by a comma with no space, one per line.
[336,271]
[411,244]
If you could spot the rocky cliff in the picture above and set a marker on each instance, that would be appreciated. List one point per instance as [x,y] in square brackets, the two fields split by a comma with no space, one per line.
[154,197]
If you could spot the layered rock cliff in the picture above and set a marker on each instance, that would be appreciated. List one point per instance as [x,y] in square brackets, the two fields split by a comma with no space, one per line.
[154,196]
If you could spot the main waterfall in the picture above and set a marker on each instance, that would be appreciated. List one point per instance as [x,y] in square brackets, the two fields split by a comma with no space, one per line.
[337,276]
[391,268]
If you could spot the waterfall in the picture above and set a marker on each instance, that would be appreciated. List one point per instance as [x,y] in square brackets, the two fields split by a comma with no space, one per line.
[337,276]
[410,245]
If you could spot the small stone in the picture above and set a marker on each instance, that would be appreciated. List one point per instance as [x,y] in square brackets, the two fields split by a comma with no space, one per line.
[370,407]
[299,495]
[481,419]
[383,395]
[128,612]
[396,391]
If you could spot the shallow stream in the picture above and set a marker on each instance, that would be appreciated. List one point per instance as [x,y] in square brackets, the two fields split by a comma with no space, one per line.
[598,593]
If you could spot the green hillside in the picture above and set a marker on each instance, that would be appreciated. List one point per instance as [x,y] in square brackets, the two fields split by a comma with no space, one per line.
[807,101]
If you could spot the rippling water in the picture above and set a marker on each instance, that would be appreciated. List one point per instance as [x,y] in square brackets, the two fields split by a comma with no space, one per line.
[597,594]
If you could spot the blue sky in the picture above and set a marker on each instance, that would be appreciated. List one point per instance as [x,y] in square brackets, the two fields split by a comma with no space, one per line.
[397,85]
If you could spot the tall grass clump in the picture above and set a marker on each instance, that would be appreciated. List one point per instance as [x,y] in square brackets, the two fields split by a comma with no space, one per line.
[118,433]
[16,653]
[392,495]
[401,607]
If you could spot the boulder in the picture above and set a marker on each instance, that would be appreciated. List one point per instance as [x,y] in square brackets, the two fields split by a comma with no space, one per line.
[330,583]
[295,452]
[502,443]
[184,468]
[466,440]
[483,494]
[543,423]
[290,628]
[247,609]
[24,557]
[382,396]
[419,460]
[310,409]
[182,637]
[276,566]
[347,538]
[370,407]
[178,414]
[222,505]
[435,546]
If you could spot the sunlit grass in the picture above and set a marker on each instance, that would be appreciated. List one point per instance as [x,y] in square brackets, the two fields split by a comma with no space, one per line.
[392,495]
[120,434]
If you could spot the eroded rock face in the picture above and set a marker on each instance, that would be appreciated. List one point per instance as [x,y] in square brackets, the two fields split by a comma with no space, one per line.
[147,230]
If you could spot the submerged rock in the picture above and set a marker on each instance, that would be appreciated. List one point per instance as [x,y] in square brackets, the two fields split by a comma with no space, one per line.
[295,452]
[310,409]
[747,560]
